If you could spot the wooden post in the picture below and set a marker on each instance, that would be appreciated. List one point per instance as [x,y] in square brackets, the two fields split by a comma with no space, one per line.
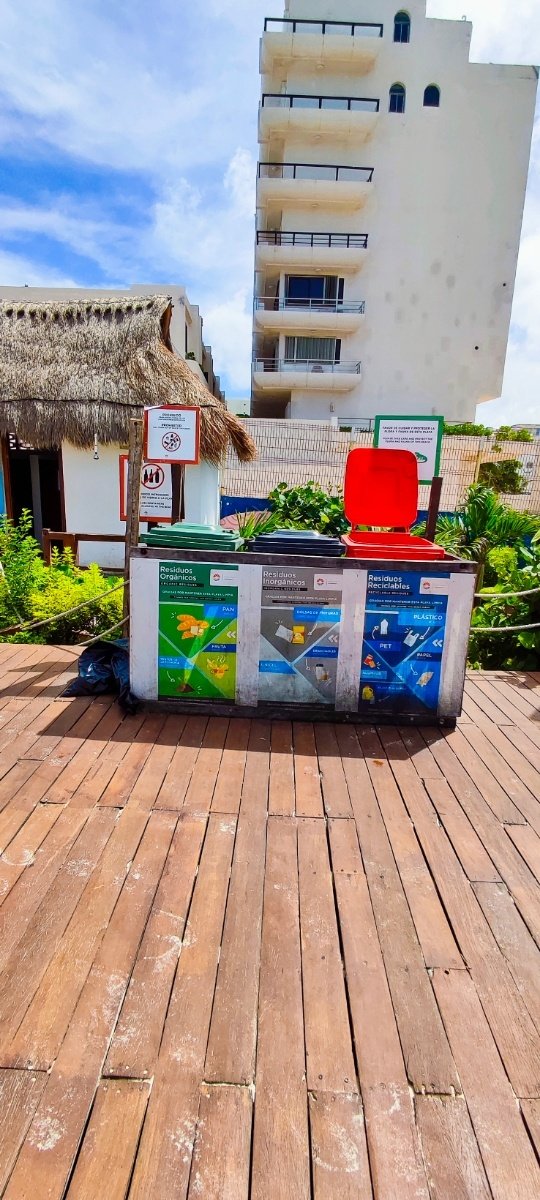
[133,500]
[434,505]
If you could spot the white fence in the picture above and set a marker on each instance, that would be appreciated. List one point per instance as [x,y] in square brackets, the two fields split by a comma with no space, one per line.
[295,452]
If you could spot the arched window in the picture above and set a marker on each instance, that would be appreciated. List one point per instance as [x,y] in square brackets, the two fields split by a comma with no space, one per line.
[397,98]
[402,27]
[432,96]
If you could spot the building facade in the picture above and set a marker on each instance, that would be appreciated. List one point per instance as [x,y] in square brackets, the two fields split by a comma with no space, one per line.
[391,182]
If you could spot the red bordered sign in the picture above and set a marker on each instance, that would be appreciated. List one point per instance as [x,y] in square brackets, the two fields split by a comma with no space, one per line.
[171,434]
[156,491]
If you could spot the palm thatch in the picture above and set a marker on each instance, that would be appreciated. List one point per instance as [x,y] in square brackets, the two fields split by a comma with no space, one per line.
[73,370]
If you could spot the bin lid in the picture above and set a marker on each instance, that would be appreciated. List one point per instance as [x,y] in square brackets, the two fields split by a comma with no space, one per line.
[381,487]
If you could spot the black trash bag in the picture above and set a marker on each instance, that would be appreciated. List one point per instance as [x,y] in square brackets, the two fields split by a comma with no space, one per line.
[104,667]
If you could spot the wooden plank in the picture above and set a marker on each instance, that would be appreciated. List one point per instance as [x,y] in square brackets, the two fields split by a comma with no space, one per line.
[49,1150]
[528,843]
[493,711]
[175,785]
[255,786]
[228,789]
[453,1162]
[424,763]
[329,1054]
[281,1159]
[531,1115]
[62,789]
[25,897]
[163,1162]
[20,1093]
[230,1056]
[135,1043]
[203,781]
[427,1055]
[20,853]
[523,774]
[281,798]
[91,789]
[505,692]
[433,931]
[110,1142]
[508,1156]
[221,1155]
[508,1017]
[147,785]
[394,1151]
[307,780]
[118,790]
[519,795]
[39,1036]
[335,792]
[510,865]
[471,767]
[26,965]
[519,738]
[471,853]
[513,938]
[338,1148]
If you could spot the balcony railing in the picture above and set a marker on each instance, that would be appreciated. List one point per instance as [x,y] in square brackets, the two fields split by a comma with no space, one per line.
[354,28]
[334,103]
[278,303]
[280,237]
[315,171]
[309,364]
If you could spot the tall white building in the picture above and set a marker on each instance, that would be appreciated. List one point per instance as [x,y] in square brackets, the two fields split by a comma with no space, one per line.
[390,190]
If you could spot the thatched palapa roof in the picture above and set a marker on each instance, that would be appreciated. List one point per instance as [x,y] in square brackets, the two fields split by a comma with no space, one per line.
[72,370]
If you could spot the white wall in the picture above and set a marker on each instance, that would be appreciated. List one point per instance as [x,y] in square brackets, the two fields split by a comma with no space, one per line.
[92,499]
[444,219]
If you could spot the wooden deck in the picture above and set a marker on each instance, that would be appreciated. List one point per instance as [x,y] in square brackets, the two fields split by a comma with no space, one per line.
[241,960]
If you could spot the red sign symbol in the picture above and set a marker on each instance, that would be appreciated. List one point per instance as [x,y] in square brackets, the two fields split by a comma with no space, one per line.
[153,477]
[171,442]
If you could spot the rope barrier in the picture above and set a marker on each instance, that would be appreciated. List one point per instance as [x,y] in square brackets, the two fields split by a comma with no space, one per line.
[502,629]
[51,620]
[99,636]
[504,595]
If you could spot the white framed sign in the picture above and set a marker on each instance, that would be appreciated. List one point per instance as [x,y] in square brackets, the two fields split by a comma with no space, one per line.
[172,434]
[156,491]
[422,435]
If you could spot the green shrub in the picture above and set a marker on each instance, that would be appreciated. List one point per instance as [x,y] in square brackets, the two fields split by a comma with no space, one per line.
[504,434]
[30,591]
[309,507]
[515,570]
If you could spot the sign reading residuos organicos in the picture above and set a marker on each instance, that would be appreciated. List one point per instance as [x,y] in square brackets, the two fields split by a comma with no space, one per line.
[422,435]
[171,434]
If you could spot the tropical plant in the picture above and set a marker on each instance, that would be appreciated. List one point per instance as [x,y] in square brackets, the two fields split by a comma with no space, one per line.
[309,507]
[250,524]
[505,433]
[20,565]
[515,570]
[482,523]
[504,476]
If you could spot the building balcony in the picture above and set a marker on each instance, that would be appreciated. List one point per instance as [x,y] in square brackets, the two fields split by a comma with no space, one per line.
[319,44]
[279,375]
[316,118]
[274,314]
[313,183]
[319,252]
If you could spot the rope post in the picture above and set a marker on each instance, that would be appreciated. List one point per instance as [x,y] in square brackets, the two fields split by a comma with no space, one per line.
[133,500]
[434,505]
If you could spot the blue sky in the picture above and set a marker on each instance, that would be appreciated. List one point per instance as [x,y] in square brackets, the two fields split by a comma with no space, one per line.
[128,149]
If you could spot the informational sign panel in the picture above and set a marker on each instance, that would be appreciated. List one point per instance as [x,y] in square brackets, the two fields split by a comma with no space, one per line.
[422,435]
[171,434]
[156,491]
[197,630]
[404,631]
[300,624]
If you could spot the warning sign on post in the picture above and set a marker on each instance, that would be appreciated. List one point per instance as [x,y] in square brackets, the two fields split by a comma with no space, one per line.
[156,491]
[171,434]
[422,435]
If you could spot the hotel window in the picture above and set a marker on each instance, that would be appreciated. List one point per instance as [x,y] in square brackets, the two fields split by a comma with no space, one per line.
[397,98]
[402,27]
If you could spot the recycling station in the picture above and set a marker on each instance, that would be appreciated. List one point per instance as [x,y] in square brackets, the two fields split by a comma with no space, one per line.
[373,626]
